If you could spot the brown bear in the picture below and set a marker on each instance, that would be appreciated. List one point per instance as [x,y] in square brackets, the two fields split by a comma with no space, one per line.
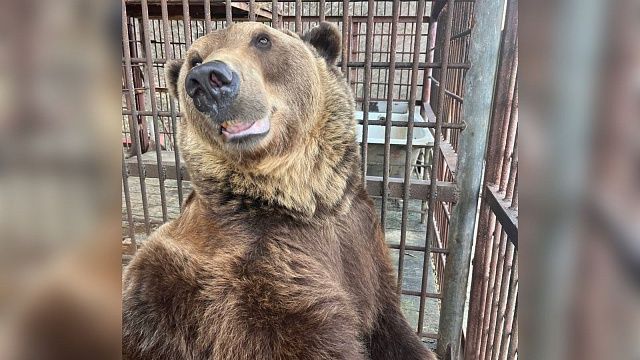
[278,253]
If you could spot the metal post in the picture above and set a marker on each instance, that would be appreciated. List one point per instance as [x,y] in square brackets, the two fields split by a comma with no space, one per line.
[476,112]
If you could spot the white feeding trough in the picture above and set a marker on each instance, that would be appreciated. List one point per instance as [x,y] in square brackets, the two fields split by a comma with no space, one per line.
[422,139]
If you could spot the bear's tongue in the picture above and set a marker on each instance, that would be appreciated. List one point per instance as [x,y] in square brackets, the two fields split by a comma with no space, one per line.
[236,127]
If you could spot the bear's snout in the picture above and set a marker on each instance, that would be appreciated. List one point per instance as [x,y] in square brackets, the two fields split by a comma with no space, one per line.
[213,86]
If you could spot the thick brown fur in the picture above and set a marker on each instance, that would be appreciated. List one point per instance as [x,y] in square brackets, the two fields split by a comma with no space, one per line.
[278,253]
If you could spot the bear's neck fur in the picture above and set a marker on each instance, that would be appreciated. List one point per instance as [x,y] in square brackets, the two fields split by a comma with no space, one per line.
[318,176]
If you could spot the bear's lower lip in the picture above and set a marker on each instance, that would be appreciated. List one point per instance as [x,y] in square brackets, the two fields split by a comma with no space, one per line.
[237,130]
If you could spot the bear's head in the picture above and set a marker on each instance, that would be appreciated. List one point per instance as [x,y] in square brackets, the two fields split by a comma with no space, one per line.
[266,115]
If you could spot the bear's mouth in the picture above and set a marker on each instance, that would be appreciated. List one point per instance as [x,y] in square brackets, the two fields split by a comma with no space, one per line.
[237,130]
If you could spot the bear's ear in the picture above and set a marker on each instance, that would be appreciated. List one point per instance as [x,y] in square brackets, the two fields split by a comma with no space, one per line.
[326,39]
[172,73]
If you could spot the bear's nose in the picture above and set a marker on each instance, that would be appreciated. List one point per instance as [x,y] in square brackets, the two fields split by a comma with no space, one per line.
[212,86]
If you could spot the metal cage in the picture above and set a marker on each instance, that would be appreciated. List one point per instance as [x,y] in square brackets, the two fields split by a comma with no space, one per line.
[407,63]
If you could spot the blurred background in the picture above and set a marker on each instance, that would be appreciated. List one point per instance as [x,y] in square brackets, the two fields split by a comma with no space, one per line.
[61,179]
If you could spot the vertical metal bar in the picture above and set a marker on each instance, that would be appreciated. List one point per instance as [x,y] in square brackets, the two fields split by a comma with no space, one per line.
[154,106]
[513,343]
[274,14]
[345,36]
[448,22]
[252,10]
[508,194]
[480,281]
[514,199]
[207,15]
[409,151]
[500,302]
[228,14]
[501,346]
[497,251]
[127,200]
[321,10]
[508,149]
[367,84]
[389,115]
[426,82]
[134,111]
[426,93]
[505,88]
[476,112]
[299,16]
[166,25]
[187,23]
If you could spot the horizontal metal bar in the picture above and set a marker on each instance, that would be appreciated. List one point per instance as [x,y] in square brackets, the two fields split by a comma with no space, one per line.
[429,335]
[507,217]
[461,34]
[357,19]
[418,293]
[408,65]
[353,64]
[450,93]
[419,248]
[425,124]
[420,189]
[450,156]
[198,2]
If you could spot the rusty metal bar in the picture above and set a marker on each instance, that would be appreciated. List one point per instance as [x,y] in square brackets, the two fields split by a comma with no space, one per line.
[154,105]
[450,93]
[508,314]
[207,15]
[476,110]
[387,126]
[426,80]
[228,13]
[321,10]
[299,17]
[275,21]
[508,149]
[127,200]
[461,34]
[135,132]
[498,253]
[172,106]
[501,302]
[448,23]
[514,199]
[420,189]
[508,194]
[252,10]
[355,64]
[357,19]
[187,23]
[417,293]
[493,247]
[505,90]
[419,248]
[397,123]
[367,85]
[513,343]
[345,36]
[409,151]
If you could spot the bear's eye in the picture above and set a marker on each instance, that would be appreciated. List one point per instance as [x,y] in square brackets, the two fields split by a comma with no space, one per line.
[262,41]
[196,61]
